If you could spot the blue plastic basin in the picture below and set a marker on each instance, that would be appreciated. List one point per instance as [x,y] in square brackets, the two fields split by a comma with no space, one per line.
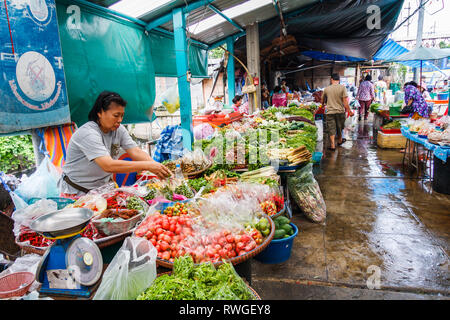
[278,250]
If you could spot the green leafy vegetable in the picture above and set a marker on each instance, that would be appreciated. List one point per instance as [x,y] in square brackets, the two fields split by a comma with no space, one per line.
[198,282]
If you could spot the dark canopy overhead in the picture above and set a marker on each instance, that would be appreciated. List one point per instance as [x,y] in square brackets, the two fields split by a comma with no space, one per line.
[335,27]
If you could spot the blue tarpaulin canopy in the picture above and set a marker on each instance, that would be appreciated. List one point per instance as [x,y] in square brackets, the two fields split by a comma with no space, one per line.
[323,56]
[391,49]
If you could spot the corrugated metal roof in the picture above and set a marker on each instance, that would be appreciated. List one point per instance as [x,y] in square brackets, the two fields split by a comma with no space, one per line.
[222,30]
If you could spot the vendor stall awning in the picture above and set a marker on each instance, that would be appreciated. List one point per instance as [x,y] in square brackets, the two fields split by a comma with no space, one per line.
[323,56]
[392,49]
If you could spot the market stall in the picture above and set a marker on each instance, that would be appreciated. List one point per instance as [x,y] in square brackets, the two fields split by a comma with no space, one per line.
[433,139]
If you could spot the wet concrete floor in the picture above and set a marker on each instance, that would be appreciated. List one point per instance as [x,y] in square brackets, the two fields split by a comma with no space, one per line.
[386,236]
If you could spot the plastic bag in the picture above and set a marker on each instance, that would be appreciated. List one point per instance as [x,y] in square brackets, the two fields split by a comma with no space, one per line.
[170,99]
[132,270]
[319,125]
[43,183]
[203,131]
[305,191]
[23,217]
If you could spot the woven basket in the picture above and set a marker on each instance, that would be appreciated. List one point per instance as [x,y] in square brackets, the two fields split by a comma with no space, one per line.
[196,174]
[253,292]
[235,260]
[117,227]
[15,284]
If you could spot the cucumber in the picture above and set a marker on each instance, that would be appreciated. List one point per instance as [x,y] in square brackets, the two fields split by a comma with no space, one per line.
[286,236]
[282,220]
[288,228]
[278,234]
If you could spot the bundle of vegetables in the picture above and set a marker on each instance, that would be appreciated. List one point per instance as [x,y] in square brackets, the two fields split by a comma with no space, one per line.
[307,139]
[393,125]
[260,175]
[199,183]
[374,107]
[296,111]
[201,282]
[283,229]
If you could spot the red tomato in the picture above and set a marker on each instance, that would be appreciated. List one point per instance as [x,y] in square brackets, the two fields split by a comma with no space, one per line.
[165,225]
[240,246]
[230,238]
[222,241]
[159,231]
[165,255]
[178,230]
[228,247]
[245,238]
[164,245]
[173,227]
[158,247]
[153,241]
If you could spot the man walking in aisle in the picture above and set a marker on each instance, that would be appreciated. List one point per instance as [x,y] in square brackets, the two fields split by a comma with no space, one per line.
[335,99]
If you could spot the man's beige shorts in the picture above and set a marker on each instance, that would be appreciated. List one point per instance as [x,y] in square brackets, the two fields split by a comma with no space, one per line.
[335,123]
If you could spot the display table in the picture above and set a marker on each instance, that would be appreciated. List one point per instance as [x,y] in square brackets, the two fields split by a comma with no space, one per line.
[436,152]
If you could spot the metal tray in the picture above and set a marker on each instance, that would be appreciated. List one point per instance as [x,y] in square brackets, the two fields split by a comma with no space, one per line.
[63,222]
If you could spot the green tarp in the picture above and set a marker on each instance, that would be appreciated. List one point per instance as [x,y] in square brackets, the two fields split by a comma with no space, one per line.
[104,52]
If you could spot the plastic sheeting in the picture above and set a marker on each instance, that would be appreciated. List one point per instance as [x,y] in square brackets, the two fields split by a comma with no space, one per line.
[336,27]
[163,55]
[101,53]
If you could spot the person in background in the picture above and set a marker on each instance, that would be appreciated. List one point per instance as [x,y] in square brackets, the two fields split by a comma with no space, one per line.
[414,98]
[265,96]
[335,99]
[424,91]
[365,96]
[279,97]
[284,86]
[237,101]
[380,90]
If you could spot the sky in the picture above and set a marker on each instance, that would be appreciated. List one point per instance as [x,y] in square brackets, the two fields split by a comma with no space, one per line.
[434,24]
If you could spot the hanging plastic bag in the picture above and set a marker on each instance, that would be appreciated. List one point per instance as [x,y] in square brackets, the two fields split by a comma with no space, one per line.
[132,270]
[170,99]
[319,125]
[43,183]
[305,191]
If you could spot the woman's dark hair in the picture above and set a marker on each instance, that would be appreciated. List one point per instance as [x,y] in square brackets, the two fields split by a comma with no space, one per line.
[277,89]
[103,101]
[368,78]
[413,83]
[236,98]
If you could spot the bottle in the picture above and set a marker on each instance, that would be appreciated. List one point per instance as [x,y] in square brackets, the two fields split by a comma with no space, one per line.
[178,173]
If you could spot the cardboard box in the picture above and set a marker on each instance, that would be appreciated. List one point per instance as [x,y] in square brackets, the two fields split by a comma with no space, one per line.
[391,140]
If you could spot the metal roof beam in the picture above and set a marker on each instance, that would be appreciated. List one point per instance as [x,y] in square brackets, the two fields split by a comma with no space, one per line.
[223,41]
[168,17]
[225,17]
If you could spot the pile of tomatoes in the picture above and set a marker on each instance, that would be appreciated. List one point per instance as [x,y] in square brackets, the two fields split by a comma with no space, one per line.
[174,236]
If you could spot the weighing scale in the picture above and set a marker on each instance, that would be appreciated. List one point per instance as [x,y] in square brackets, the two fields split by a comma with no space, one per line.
[72,265]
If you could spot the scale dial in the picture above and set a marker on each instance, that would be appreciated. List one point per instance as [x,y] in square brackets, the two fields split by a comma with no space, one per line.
[84,261]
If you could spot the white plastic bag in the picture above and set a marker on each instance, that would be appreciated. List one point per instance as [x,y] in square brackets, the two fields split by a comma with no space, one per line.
[170,99]
[319,125]
[23,217]
[43,183]
[132,270]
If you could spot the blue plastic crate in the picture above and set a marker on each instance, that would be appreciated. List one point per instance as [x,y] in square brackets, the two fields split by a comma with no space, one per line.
[61,202]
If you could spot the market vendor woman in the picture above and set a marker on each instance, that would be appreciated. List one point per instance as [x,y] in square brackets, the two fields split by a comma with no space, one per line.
[94,148]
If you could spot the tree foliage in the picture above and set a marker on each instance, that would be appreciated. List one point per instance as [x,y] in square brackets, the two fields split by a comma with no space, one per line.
[16,153]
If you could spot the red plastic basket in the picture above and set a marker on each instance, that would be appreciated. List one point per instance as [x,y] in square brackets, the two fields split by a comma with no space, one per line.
[15,284]
[390,130]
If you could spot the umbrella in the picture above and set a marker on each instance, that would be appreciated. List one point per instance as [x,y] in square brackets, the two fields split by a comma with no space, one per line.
[422,54]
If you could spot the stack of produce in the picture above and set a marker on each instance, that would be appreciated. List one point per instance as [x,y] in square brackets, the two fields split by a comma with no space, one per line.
[283,229]
[198,282]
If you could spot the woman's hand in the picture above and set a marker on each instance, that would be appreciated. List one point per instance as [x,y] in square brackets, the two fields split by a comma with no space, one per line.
[159,169]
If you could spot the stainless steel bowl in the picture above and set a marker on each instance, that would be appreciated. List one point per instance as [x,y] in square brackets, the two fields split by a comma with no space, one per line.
[63,222]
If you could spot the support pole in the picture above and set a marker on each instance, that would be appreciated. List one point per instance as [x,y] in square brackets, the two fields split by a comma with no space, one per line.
[253,63]
[230,70]
[184,89]
[419,34]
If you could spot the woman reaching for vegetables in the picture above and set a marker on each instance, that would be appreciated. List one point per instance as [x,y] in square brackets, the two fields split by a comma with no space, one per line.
[93,150]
